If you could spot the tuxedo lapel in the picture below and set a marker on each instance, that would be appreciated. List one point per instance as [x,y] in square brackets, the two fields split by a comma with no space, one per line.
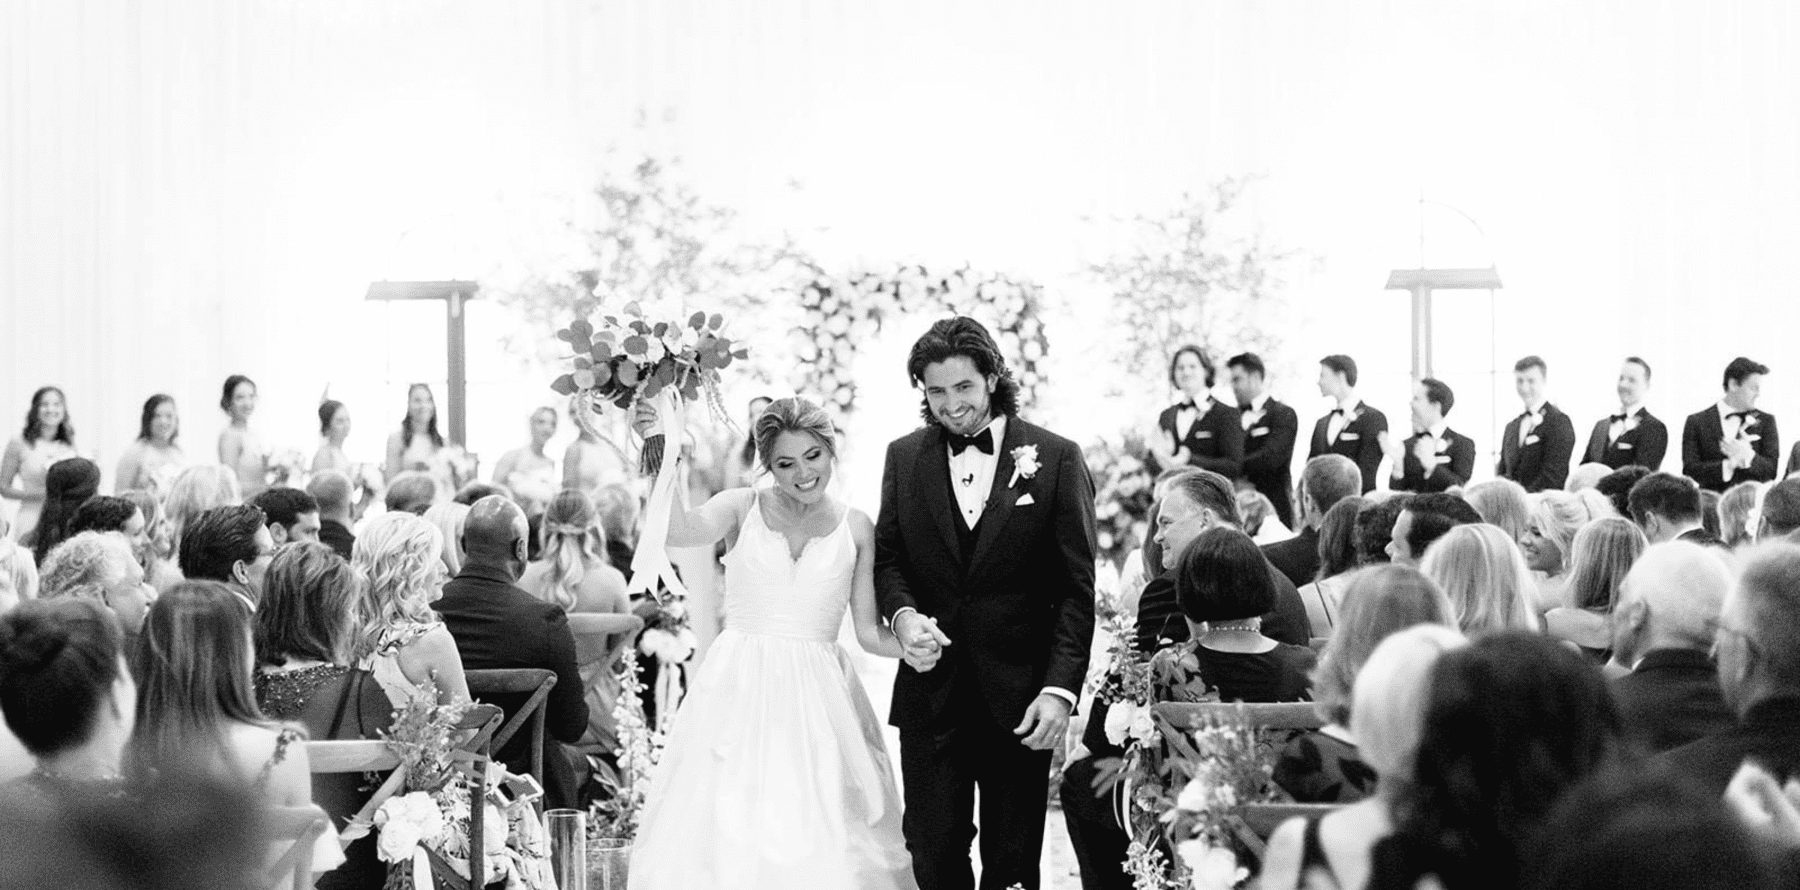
[999,504]
[933,471]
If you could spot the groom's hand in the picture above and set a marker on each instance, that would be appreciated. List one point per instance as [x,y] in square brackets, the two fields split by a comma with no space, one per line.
[921,642]
[1045,722]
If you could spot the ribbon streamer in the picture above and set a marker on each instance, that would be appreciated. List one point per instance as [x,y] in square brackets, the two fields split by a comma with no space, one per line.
[651,562]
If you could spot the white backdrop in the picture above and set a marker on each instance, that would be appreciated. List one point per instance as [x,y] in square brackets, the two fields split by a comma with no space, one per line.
[197,188]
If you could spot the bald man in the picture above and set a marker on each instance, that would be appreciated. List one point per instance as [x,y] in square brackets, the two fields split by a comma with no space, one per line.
[1663,630]
[497,625]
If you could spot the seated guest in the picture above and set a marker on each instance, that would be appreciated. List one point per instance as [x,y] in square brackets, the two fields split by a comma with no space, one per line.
[1337,556]
[1603,552]
[1502,503]
[330,490]
[1224,587]
[1616,486]
[1198,430]
[1709,513]
[155,547]
[1780,511]
[402,642]
[197,490]
[574,573]
[1513,720]
[1323,766]
[1436,457]
[1324,482]
[1632,437]
[196,714]
[618,509]
[1259,518]
[1586,476]
[311,602]
[18,571]
[411,492]
[1387,718]
[67,696]
[1668,507]
[99,566]
[1735,509]
[1535,449]
[231,545]
[1662,632]
[104,513]
[1732,441]
[1485,576]
[1424,519]
[67,484]
[475,491]
[1759,671]
[497,625]
[449,517]
[292,514]
[1375,528]
[1555,518]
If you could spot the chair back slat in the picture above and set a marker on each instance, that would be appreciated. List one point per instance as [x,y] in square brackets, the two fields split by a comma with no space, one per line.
[600,635]
[1264,818]
[298,829]
[354,756]
[516,681]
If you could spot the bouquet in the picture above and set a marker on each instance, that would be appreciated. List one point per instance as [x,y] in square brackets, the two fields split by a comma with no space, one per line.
[286,467]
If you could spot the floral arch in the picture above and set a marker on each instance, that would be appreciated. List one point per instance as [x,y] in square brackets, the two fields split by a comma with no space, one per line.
[839,313]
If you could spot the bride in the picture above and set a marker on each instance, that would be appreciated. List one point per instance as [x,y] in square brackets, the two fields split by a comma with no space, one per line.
[776,774]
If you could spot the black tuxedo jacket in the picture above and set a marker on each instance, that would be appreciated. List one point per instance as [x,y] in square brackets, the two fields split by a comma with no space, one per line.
[1297,557]
[1671,698]
[1018,608]
[1768,733]
[1215,442]
[1645,445]
[1269,456]
[1360,440]
[1460,451]
[1702,460]
[1542,462]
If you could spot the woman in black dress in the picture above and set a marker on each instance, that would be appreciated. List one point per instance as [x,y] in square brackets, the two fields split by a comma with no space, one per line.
[1197,430]
[1223,585]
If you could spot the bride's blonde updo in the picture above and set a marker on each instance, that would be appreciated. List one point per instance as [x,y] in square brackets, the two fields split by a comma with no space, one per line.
[792,415]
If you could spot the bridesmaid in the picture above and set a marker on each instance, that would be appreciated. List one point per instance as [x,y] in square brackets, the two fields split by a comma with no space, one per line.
[334,426]
[528,472]
[416,444]
[240,448]
[1198,430]
[48,438]
[153,461]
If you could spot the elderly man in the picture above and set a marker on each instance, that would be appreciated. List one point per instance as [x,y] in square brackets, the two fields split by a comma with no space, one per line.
[1663,632]
[100,565]
[1327,479]
[1759,672]
[497,625]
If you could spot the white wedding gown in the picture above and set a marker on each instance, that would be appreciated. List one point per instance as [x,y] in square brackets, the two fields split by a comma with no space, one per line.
[775,774]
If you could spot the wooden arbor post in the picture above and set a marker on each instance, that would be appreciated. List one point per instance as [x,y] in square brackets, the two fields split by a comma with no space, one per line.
[454,294]
[1421,282]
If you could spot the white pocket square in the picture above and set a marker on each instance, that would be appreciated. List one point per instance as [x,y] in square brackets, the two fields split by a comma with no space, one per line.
[1349,437]
[1025,501]
[1203,434]
[1259,431]
[1624,446]
[1531,440]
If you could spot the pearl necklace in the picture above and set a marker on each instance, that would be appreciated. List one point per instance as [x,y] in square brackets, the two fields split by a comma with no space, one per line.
[1253,625]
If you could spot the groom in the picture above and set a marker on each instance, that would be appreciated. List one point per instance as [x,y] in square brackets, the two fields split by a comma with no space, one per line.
[984,567]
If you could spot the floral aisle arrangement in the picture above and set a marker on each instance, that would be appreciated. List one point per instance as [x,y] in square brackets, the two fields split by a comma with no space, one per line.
[1123,490]
[640,746]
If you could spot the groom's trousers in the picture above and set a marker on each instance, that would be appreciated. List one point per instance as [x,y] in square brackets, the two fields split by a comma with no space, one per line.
[1100,844]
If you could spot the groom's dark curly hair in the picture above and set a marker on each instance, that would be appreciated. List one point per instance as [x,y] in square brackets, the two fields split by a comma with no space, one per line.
[966,337]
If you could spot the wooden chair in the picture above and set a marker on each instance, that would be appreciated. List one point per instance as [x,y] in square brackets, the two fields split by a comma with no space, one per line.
[518,681]
[1260,715]
[600,637]
[296,830]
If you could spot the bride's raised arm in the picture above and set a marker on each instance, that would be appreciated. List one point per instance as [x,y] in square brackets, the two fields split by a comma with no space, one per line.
[875,638]
[710,521]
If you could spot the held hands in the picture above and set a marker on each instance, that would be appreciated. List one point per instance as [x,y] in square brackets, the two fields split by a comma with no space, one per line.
[1738,451]
[1425,450]
[1045,722]
[645,421]
[921,642]
[1395,450]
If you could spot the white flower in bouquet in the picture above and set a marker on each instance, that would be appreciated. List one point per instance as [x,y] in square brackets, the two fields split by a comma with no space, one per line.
[1129,720]
[1210,867]
[669,647]
[405,821]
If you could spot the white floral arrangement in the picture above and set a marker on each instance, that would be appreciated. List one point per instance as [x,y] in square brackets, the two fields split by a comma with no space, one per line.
[640,747]
[286,467]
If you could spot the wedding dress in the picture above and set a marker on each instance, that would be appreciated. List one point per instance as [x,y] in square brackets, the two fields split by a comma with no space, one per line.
[775,774]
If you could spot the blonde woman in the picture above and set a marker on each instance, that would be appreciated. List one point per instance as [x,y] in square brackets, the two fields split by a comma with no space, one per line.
[404,643]
[449,517]
[1549,531]
[1484,574]
[574,572]
[197,490]
[1501,502]
[1736,508]
[1600,557]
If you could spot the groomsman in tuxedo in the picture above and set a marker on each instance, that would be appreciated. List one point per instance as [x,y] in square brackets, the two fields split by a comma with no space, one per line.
[1437,457]
[1536,447]
[1632,436]
[1732,442]
[1352,429]
[1270,430]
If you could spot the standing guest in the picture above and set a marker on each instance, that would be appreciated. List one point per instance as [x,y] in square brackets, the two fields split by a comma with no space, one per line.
[1668,508]
[67,485]
[497,625]
[1501,502]
[196,714]
[1780,511]
[1337,557]
[1270,431]
[528,472]
[1632,437]
[230,545]
[1486,578]
[1197,430]
[449,517]
[413,492]
[1535,449]
[574,573]
[99,566]
[403,643]
[1422,521]
[240,448]
[48,438]
[1324,482]
[66,693]
[1555,518]
[591,463]
[1759,671]
[1732,441]
[334,428]
[1735,510]
[152,462]
[1352,429]
[1436,457]
[330,490]
[1599,559]
[1616,486]
[1375,528]
[415,445]
[292,514]
[1663,633]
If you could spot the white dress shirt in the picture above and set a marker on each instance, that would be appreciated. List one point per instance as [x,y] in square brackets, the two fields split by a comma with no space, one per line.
[1534,415]
[1335,425]
[972,474]
[1634,414]
[1254,413]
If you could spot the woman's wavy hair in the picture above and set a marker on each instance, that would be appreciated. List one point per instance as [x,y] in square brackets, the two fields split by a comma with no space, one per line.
[571,539]
[1485,575]
[406,424]
[65,431]
[792,415]
[1560,514]
[963,336]
[193,664]
[401,556]
[312,601]
[68,484]
[150,406]
[198,489]
[1599,559]
[1379,601]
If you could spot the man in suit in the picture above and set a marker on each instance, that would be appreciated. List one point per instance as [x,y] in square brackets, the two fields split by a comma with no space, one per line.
[1352,429]
[1325,481]
[1199,430]
[984,569]
[1536,447]
[292,514]
[1662,628]
[331,491]
[1424,519]
[1668,508]
[497,625]
[1732,442]
[1437,457]
[1634,435]
[1780,512]
[1270,430]
[1758,648]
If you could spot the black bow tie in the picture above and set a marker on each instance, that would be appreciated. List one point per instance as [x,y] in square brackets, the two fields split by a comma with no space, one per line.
[982,442]
[1619,418]
[1246,407]
[1338,412]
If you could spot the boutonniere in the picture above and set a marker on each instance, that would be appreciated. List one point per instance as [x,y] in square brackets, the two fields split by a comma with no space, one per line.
[1025,464]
